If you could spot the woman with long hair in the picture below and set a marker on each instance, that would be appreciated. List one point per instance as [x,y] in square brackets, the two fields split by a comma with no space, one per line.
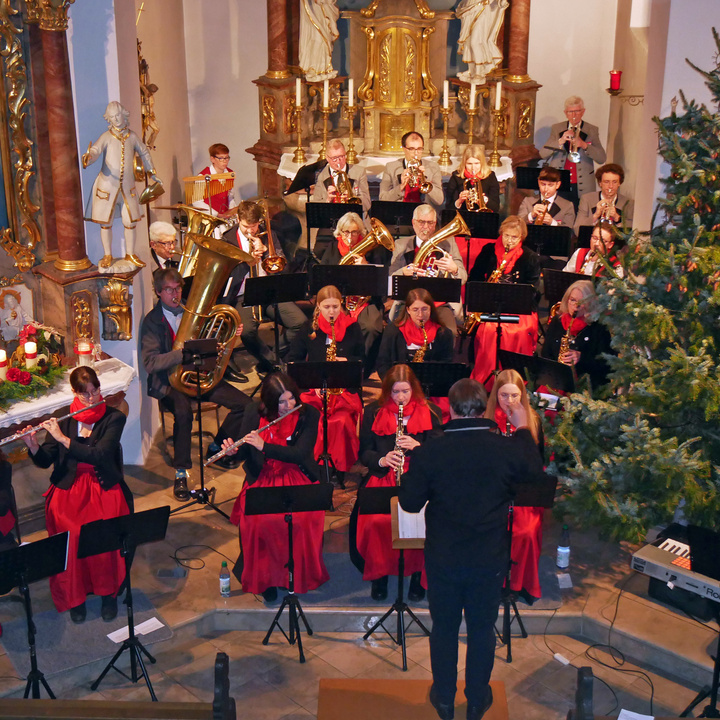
[508,392]
[385,455]
[332,327]
[86,484]
[280,456]
[473,171]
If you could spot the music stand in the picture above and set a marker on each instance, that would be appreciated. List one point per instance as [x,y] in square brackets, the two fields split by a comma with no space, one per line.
[436,378]
[441,289]
[550,240]
[397,213]
[541,493]
[557,282]
[378,501]
[350,279]
[274,289]
[482,226]
[526,178]
[286,501]
[305,178]
[583,236]
[499,303]
[126,533]
[541,371]
[25,564]
[326,376]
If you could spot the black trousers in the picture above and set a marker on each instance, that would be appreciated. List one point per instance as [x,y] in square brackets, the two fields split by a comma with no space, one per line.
[180,405]
[450,591]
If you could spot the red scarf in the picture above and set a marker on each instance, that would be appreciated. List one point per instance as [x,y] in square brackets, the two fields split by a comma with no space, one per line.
[414,335]
[417,414]
[470,176]
[342,322]
[91,416]
[502,420]
[279,433]
[511,257]
[412,194]
[578,323]
[599,268]
[343,247]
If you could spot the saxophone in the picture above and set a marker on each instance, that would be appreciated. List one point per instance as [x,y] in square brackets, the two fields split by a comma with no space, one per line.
[331,355]
[399,432]
[497,273]
[566,341]
[590,256]
[419,355]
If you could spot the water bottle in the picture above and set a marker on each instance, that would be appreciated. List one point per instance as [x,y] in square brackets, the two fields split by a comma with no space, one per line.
[563,550]
[224,580]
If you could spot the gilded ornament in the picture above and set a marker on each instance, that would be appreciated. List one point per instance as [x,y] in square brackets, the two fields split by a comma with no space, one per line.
[268,114]
[80,308]
[410,69]
[430,92]
[503,119]
[23,257]
[524,119]
[7,282]
[49,14]
[289,116]
[384,69]
[116,309]
[425,12]
[365,91]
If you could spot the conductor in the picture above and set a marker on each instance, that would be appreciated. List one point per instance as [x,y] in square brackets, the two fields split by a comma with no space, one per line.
[467,478]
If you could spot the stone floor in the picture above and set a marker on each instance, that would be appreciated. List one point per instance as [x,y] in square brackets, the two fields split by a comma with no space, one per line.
[666,654]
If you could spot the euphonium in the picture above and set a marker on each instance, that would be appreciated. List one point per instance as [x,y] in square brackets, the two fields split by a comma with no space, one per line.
[419,355]
[399,432]
[202,318]
[344,186]
[417,178]
[199,223]
[426,257]
[475,200]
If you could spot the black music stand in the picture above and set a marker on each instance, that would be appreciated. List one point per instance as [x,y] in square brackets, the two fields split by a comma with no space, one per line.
[436,378]
[557,282]
[482,226]
[441,289]
[350,279]
[25,564]
[286,501]
[395,213]
[538,494]
[499,303]
[200,356]
[549,240]
[540,371]
[526,178]
[325,215]
[126,533]
[583,235]
[378,501]
[305,178]
[327,376]
[274,289]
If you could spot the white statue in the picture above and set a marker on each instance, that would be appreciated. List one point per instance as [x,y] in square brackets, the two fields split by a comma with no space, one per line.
[318,32]
[114,187]
[13,316]
[480,24]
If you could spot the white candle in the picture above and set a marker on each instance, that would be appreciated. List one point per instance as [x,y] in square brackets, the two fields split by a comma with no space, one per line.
[30,354]
[3,357]
[298,91]
[446,94]
[472,96]
[3,365]
[351,92]
[84,352]
[326,93]
[498,94]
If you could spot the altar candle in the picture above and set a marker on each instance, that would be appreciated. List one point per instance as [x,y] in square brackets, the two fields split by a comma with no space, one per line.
[615,76]
[351,92]
[298,91]
[446,95]
[3,365]
[498,94]
[83,351]
[326,93]
[30,354]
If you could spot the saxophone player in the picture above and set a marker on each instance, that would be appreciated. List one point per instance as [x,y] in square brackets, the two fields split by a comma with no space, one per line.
[548,208]
[604,243]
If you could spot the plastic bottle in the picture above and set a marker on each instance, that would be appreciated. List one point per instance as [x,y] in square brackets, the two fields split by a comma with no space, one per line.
[563,550]
[224,580]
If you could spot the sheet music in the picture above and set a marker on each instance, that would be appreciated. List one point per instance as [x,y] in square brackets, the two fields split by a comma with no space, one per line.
[411,525]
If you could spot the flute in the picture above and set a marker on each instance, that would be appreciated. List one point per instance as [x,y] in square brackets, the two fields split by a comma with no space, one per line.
[23,433]
[239,442]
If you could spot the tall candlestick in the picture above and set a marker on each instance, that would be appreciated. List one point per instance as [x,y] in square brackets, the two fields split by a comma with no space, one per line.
[472,96]
[351,92]
[446,94]
[326,93]
[498,94]
[298,91]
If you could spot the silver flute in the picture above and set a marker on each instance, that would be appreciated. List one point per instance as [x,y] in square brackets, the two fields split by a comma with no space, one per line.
[239,442]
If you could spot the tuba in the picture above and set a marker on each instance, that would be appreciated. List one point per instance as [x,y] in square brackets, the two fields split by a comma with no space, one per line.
[344,188]
[199,223]
[429,252]
[202,318]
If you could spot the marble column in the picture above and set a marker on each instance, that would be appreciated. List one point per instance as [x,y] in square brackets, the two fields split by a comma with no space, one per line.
[277,39]
[64,162]
[518,46]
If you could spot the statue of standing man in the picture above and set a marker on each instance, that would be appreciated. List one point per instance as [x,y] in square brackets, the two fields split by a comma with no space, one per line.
[318,32]
[114,190]
[480,22]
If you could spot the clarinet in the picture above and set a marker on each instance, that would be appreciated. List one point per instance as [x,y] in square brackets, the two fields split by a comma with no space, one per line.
[399,432]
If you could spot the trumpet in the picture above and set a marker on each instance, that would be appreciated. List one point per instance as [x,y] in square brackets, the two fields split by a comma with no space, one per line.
[29,431]
[607,206]
[574,155]
[540,218]
[344,187]
[475,200]
[241,441]
[417,178]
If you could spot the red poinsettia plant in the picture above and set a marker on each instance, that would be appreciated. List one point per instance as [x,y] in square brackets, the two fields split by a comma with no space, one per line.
[22,377]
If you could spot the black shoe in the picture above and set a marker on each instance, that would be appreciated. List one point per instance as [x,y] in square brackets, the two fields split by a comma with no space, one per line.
[270,594]
[108,611]
[235,376]
[445,711]
[180,490]
[78,614]
[265,366]
[378,590]
[416,591]
[476,712]
[228,462]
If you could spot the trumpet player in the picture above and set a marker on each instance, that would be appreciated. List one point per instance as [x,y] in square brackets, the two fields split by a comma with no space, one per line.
[547,208]
[398,181]
[473,172]
[604,243]
[326,190]
[607,205]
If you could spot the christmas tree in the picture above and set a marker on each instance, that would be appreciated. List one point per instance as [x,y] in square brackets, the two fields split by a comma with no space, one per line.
[628,458]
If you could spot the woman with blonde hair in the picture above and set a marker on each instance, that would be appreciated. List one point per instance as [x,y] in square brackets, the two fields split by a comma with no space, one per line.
[473,169]
[507,393]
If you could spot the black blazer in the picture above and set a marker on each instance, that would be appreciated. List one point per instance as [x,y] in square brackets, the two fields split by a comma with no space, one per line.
[300,449]
[352,346]
[490,187]
[526,269]
[376,256]
[156,351]
[393,348]
[102,450]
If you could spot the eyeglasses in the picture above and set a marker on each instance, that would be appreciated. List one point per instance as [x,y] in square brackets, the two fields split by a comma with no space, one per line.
[222,157]
[426,223]
[171,290]
[168,243]
[348,233]
[88,395]
[337,157]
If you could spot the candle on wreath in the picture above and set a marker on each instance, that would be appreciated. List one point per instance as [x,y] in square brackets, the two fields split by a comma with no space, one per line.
[30,354]
[3,364]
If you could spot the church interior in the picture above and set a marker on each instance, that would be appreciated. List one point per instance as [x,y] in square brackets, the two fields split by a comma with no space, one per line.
[178,78]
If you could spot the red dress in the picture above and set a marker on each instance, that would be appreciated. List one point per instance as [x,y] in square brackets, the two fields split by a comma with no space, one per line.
[264,538]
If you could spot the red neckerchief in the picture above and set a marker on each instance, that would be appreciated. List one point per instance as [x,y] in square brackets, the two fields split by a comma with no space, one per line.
[470,176]
[343,247]
[414,335]
[582,254]
[511,257]
[417,414]
[91,416]
[578,323]
[342,323]
[599,268]
[502,420]
[279,433]
[172,332]
[412,194]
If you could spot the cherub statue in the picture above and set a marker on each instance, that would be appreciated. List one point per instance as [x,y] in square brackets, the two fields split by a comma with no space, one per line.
[114,187]
[480,22]
[318,32]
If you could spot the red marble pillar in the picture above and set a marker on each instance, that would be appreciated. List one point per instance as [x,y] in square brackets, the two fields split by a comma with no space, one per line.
[277,39]
[518,45]
[65,167]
